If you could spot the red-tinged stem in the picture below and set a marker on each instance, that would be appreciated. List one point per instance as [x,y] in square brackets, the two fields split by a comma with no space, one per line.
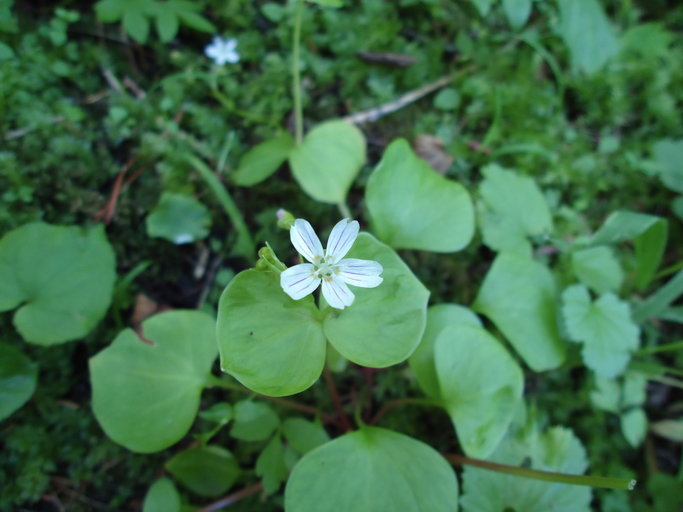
[401,401]
[344,422]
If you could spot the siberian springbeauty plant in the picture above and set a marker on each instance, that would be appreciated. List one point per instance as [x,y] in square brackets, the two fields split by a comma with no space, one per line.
[289,385]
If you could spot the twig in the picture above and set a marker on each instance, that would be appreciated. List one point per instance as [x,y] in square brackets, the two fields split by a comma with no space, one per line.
[232,498]
[20,132]
[334,394]
[134,88]
[373,114]
[112,80]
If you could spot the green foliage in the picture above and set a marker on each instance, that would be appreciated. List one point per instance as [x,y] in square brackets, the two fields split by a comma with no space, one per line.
[135,16]
[178,218]
[304,435]
[206,470]
[341,146]
[162,497]
[254,421]
[18,377]
[138,381]
[649,233]
[512,209]
[518,295]
[421,362]
[60,278]
[598,268]
[605,328]
[588,34]
[263,334]
[276,346]
[668,154]
[481,386]
[372,469]
[557,449]
[412,207]
[263,160]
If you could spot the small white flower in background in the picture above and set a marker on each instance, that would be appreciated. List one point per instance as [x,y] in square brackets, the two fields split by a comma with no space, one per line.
[222,50]
[328,267]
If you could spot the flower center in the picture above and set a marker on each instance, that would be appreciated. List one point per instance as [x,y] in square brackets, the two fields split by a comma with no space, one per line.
[325,269]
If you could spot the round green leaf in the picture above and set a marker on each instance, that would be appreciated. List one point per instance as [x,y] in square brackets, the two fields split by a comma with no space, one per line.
[413,207]
[18,377]
[268,341]
[179,218]
[263,160]
[519,295]
[162,497]
[385,324]
[422,360]
[146,396]
[63,276]
[328,160]
[481,386]
[254,421]
[634,426]
[206,470]
[372,470]
[447,99]
[304,435]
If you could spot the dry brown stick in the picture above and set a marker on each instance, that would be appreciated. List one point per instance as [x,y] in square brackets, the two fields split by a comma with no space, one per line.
[373,114]
[232,498]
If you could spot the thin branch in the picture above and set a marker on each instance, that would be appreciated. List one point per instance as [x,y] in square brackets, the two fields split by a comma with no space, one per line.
[334,394]
[373,114]
[401,401]
[232,498]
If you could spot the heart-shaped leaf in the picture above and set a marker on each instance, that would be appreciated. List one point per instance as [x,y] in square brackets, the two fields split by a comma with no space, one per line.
[328,160]
[421,362]
[385,324]
[372,470]
[519,295]
[269,342]
[64,277]
[413,207]
[263,160]
[481,386]
[146,395]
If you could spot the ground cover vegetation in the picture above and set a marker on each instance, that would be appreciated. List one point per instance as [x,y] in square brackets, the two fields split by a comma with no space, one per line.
[511,336]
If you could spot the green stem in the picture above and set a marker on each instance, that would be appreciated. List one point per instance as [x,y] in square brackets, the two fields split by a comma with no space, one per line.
[344,210]
[548,476]
[245,244]
[296,74]
[677,345]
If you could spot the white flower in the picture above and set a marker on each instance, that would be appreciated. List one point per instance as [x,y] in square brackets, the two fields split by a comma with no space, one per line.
[328,267]
[222,50]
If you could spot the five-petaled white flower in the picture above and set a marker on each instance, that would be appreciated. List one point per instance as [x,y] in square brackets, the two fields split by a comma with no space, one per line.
[328,267]
[222,50]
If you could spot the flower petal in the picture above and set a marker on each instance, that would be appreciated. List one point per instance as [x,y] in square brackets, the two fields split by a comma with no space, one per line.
[305,240]
[363,273]
[341,239]
[336,293]
[299,280]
